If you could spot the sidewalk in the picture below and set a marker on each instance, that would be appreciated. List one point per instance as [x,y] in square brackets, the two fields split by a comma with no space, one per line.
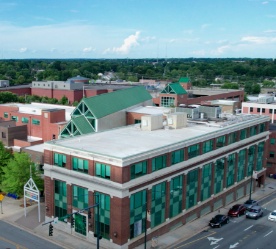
[14,214]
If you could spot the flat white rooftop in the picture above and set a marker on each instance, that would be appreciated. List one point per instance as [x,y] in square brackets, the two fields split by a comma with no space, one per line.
[37,108]
[131,140]
[150,110]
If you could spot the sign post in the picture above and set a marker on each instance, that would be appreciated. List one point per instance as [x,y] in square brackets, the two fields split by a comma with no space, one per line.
[1,200]
[31,192]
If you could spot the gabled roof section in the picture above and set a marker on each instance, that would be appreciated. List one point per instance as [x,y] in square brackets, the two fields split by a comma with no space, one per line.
[174,88]
[184,80]
[108,103]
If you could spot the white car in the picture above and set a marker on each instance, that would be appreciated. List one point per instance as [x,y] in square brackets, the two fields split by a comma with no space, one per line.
[272,216]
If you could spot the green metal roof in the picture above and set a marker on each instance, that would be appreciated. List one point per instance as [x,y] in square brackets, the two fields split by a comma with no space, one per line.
[82,124]
[174,88]
[108,103]
[89,109]
[184,80]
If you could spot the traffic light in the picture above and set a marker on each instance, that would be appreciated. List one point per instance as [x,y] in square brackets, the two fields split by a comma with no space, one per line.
[89,214]
[50,229]
[95,235]
[72,222]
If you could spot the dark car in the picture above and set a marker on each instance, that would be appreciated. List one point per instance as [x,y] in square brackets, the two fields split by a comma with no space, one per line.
[250,203]
[255,212]
[219,220]
[237,210]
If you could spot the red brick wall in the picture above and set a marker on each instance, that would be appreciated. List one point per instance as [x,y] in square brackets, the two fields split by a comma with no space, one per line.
[120,220]
[48,157]
[271,162]
[131,116]
[230,95]
[21,143]
[42,92]
[18,91]
[49,199]
[179,99]
[50,126]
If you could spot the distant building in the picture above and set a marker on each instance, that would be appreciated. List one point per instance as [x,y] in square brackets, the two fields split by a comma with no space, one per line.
[43,122]
[105,111]
[4,83]
[192,96]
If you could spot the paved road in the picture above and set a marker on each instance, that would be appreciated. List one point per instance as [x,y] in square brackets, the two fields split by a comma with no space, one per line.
[12,237]
[240,233]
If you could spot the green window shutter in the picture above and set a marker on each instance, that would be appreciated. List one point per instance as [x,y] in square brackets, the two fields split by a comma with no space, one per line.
[98,169]
[107,171]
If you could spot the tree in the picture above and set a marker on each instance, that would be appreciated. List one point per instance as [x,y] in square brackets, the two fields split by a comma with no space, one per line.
[256,89]
[5,156]
[17,173]
[63,100]
[6,97]
[248,88]
[229,85]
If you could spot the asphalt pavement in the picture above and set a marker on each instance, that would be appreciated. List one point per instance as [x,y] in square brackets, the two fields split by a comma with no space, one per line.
[12,211]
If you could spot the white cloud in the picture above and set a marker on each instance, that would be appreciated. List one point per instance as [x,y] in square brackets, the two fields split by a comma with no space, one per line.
[128,43]
[220,50]
[270,31]
[148,39]
[87,50]
[258,39]
[23,50]
[265,2]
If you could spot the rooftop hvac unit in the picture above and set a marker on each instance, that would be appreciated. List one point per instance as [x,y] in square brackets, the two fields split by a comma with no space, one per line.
[151,122]
[177,120]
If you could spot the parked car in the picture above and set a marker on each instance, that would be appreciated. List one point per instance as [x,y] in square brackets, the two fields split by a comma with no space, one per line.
[237,210]
[254,212]
[272,216]
[250,203]
[219,220]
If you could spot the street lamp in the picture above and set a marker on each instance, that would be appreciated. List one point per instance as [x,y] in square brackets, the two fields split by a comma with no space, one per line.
[251,184]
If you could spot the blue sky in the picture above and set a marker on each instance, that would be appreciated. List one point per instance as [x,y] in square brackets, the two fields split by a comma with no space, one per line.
[137,29]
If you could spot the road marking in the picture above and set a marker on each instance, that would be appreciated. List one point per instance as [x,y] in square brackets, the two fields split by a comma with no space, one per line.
[213,240]
[215,247]
[268,233]
[233,246]
[180,246]
[248,228]
[13,243]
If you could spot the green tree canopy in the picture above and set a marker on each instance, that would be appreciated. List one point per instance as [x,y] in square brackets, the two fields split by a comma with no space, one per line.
[6,97]
[5,156]
[229,85]
[17,173]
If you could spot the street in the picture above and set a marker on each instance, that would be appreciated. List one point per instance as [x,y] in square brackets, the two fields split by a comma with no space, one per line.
[239,233]
[14,237]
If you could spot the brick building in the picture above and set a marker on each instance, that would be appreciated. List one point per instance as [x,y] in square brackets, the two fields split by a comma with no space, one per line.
[43,121]
[265,105]
[172,174]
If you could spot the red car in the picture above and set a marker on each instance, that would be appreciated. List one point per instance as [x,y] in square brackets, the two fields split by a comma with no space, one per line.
[237,210]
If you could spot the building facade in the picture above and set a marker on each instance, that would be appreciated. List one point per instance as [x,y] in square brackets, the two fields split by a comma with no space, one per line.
[266,106]
[151,177]
[42,121]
